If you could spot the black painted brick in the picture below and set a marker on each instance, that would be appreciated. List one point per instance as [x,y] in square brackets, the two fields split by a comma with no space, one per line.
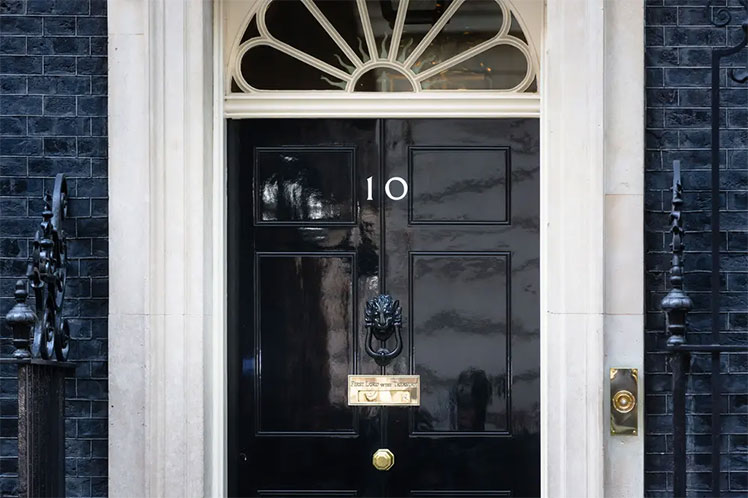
[76,7]
[20,25]
[20,64]
[62,45]
[53,120]
[679,42]
[92,65]
[12,6]
[59,106]
[59,85]
[60,65]
[12,45]
[59,26]
[12,85]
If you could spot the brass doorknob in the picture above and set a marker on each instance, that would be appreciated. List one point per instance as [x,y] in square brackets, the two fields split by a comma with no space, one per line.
[383,459]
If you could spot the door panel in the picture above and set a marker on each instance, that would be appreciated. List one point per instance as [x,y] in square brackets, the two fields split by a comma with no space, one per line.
[460,251]
[458,185]
[463,256]
[303,258]
[305,185]
[306,339]
[459,305]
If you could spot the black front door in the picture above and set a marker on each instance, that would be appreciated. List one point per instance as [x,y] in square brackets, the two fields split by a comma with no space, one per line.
[443,215]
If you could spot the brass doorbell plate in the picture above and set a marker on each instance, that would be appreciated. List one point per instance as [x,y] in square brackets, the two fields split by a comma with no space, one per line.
[624,395]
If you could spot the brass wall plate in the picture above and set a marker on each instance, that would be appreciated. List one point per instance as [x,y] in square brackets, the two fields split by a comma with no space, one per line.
[384,390]
[624,398]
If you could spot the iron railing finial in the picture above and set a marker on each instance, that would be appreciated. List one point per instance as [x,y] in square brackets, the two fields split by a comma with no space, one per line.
[676,303]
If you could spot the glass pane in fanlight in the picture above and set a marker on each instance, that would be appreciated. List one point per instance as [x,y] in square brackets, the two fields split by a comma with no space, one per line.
[266,68]
[421,16]
[382,79]
[499,68]
[515,30]
[344,16]
[382,15]
[251,31]
[475,22]
[291,22]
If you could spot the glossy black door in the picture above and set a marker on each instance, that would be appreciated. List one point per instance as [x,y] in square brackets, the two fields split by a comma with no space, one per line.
[460,250]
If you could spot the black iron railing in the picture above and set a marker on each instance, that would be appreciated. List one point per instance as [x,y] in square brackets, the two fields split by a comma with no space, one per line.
[41,339]
[677,304]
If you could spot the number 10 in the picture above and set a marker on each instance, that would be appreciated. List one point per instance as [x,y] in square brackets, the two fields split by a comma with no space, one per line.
[369,185]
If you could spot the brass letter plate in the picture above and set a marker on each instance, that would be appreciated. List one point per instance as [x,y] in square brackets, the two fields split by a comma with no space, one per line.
[384,390]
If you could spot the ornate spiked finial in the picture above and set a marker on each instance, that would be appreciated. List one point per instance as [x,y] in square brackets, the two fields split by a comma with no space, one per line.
[47,275]
[676,304]
[21,320]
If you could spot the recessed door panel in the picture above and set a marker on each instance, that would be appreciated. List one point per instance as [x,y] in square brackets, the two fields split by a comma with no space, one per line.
[459,185]
[459,306]
[305,334]
[312,185]
[441,215]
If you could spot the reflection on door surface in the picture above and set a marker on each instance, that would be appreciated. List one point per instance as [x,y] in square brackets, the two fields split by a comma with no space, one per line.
[459,251]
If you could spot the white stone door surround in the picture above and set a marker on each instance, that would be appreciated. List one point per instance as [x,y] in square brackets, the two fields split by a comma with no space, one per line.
[167,244]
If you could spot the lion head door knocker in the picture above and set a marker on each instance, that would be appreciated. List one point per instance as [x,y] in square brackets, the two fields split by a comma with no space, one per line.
[383,318]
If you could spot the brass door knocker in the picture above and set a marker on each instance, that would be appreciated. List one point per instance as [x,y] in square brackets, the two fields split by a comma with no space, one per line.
[383,317]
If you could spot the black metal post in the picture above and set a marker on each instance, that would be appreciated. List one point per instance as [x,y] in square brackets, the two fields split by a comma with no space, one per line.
[41,427]
[716,380]
[715,283]
[679,365]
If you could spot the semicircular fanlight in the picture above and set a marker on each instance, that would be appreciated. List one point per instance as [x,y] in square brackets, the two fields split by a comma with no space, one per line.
[382,46]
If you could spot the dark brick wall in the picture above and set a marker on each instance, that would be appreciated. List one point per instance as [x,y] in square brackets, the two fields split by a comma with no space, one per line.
[679,40]
[53,120]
